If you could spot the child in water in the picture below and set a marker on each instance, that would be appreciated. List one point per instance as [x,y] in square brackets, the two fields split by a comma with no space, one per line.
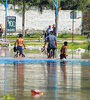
[63,50]
[20,43]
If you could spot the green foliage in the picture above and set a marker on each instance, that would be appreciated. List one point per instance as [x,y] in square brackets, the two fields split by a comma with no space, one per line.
[75,45]
[64,4]
[33,35]
[75,4]
[8,97]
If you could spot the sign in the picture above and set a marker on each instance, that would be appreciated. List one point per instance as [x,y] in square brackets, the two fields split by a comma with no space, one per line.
[11,23]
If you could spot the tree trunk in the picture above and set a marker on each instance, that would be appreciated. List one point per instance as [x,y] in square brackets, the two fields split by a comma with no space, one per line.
[23,18]
[56,25]
[72,26]
[56,18]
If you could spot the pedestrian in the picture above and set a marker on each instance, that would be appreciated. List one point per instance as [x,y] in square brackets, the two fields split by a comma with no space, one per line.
[54,29]
[20,44]
[63,50]
[1,31]
[52,44]
[49,30]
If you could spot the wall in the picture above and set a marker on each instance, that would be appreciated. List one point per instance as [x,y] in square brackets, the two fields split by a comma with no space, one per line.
[34,20]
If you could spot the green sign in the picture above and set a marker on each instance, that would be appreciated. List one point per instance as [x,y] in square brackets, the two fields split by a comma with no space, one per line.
[11,23]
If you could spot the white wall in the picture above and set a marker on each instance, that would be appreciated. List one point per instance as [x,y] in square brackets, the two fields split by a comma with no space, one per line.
[65,22]
[34,20]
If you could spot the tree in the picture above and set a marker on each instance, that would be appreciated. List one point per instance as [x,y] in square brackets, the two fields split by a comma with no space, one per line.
[83,5]
[14,2]
[40,4]
[24,3]
[74,4]
[52,4]
[63,4]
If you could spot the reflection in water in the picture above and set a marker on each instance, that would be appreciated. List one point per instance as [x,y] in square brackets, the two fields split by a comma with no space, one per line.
[52,80]
[4,51]
[5,83]
[63,81]
[19,69]
[58,81]
[9,84]
[63,71]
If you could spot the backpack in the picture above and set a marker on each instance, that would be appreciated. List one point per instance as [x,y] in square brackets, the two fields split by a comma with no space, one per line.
[15,49]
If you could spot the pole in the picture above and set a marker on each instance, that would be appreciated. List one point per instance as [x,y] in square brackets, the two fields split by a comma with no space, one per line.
[6,21]
[5,18]
[23,18]
[72,26]
[56,19]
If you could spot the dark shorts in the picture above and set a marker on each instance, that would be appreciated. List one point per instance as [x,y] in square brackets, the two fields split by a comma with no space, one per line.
[20,49]
[62,56]
[48,49]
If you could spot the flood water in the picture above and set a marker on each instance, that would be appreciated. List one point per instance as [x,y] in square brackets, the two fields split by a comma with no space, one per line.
[58,80]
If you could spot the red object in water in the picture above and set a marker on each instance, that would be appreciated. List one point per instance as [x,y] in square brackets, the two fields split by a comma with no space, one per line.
[36,92]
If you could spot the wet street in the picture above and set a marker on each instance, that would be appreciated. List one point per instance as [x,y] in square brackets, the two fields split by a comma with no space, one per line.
[58,80]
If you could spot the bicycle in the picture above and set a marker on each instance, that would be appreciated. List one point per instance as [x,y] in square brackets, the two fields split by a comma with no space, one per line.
[52,54]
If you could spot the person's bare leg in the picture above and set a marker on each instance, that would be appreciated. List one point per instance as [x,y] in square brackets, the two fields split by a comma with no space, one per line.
[48,55]
[20,55]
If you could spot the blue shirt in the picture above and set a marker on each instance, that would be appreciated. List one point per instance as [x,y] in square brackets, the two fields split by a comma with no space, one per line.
[51,41]
[48,31]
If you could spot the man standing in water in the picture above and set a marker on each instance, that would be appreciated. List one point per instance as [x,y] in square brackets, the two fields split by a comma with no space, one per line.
[20,44]
[52,44]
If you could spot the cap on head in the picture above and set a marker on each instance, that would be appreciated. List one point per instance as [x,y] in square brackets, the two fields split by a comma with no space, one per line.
[49,26]
[53,25]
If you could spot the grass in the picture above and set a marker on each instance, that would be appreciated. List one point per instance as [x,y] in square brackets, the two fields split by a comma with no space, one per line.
[36,36]
[33,39]
[75,37]
[75,45]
